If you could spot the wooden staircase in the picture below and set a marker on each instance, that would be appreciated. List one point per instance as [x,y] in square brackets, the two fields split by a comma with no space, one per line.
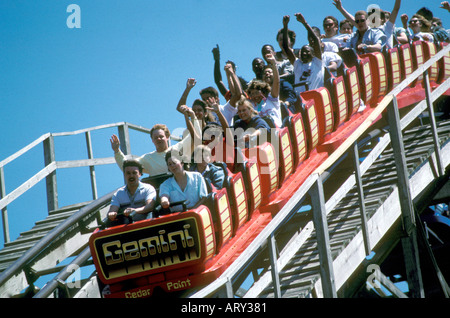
[15,249]
[302,272]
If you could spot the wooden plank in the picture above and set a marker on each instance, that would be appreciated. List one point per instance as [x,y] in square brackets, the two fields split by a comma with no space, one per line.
[307,252]
[91,168]
[323,239]
[274,267]
[27,185]
[124,137]
[51,182]
[85,162]
[63,244]
[437,149]
[362,205]
[409,243]
[24,150]
[265,279]
[383,280]
[81,131]
[386,215]
[5,222]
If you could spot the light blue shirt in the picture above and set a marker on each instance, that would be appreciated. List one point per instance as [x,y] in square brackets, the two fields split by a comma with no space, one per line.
[370,37]
[123,199]
[193,192]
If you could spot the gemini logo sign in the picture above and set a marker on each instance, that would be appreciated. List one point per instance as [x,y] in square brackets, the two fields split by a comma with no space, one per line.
[148,248]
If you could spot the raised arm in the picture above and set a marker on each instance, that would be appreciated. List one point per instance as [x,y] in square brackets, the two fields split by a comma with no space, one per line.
[394,12]
[217,75]
[188,116]
[345,13]
[289,52]
[312,35]
[445,5]
[234,85]
[275,87]
[214,106]
[189,85]
[404,17]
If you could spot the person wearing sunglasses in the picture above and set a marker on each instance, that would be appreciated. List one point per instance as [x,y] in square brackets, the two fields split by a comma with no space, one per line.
[365,39]
[331,28]
[419,28]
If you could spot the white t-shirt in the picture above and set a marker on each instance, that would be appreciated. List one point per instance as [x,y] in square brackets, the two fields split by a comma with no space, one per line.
[341,40]
[154,163]
[388,29]
[328,57]
[271,107]
[228,112]
[330,47]
[308,73]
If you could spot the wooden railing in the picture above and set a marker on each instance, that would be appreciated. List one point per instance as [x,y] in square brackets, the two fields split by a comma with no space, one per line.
[51,166]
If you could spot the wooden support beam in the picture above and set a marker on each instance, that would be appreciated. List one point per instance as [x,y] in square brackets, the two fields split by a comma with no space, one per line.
[323,239]
[5,222]
[91,168]
[362,205]
[124,137]
[52,189]
[409,242]
[274,266]
[437,146]
[229,289]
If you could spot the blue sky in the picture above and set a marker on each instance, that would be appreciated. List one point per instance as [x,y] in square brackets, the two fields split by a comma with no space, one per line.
[129,61]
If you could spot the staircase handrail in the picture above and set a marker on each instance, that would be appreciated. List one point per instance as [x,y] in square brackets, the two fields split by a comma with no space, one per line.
[26,259]
[51,166]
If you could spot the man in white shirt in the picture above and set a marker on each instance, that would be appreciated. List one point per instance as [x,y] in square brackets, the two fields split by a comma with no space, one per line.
[154,162]
[308,69]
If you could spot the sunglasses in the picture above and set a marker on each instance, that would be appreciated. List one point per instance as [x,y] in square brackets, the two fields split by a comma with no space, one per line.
[414,21]
[326,25]
[360,20]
